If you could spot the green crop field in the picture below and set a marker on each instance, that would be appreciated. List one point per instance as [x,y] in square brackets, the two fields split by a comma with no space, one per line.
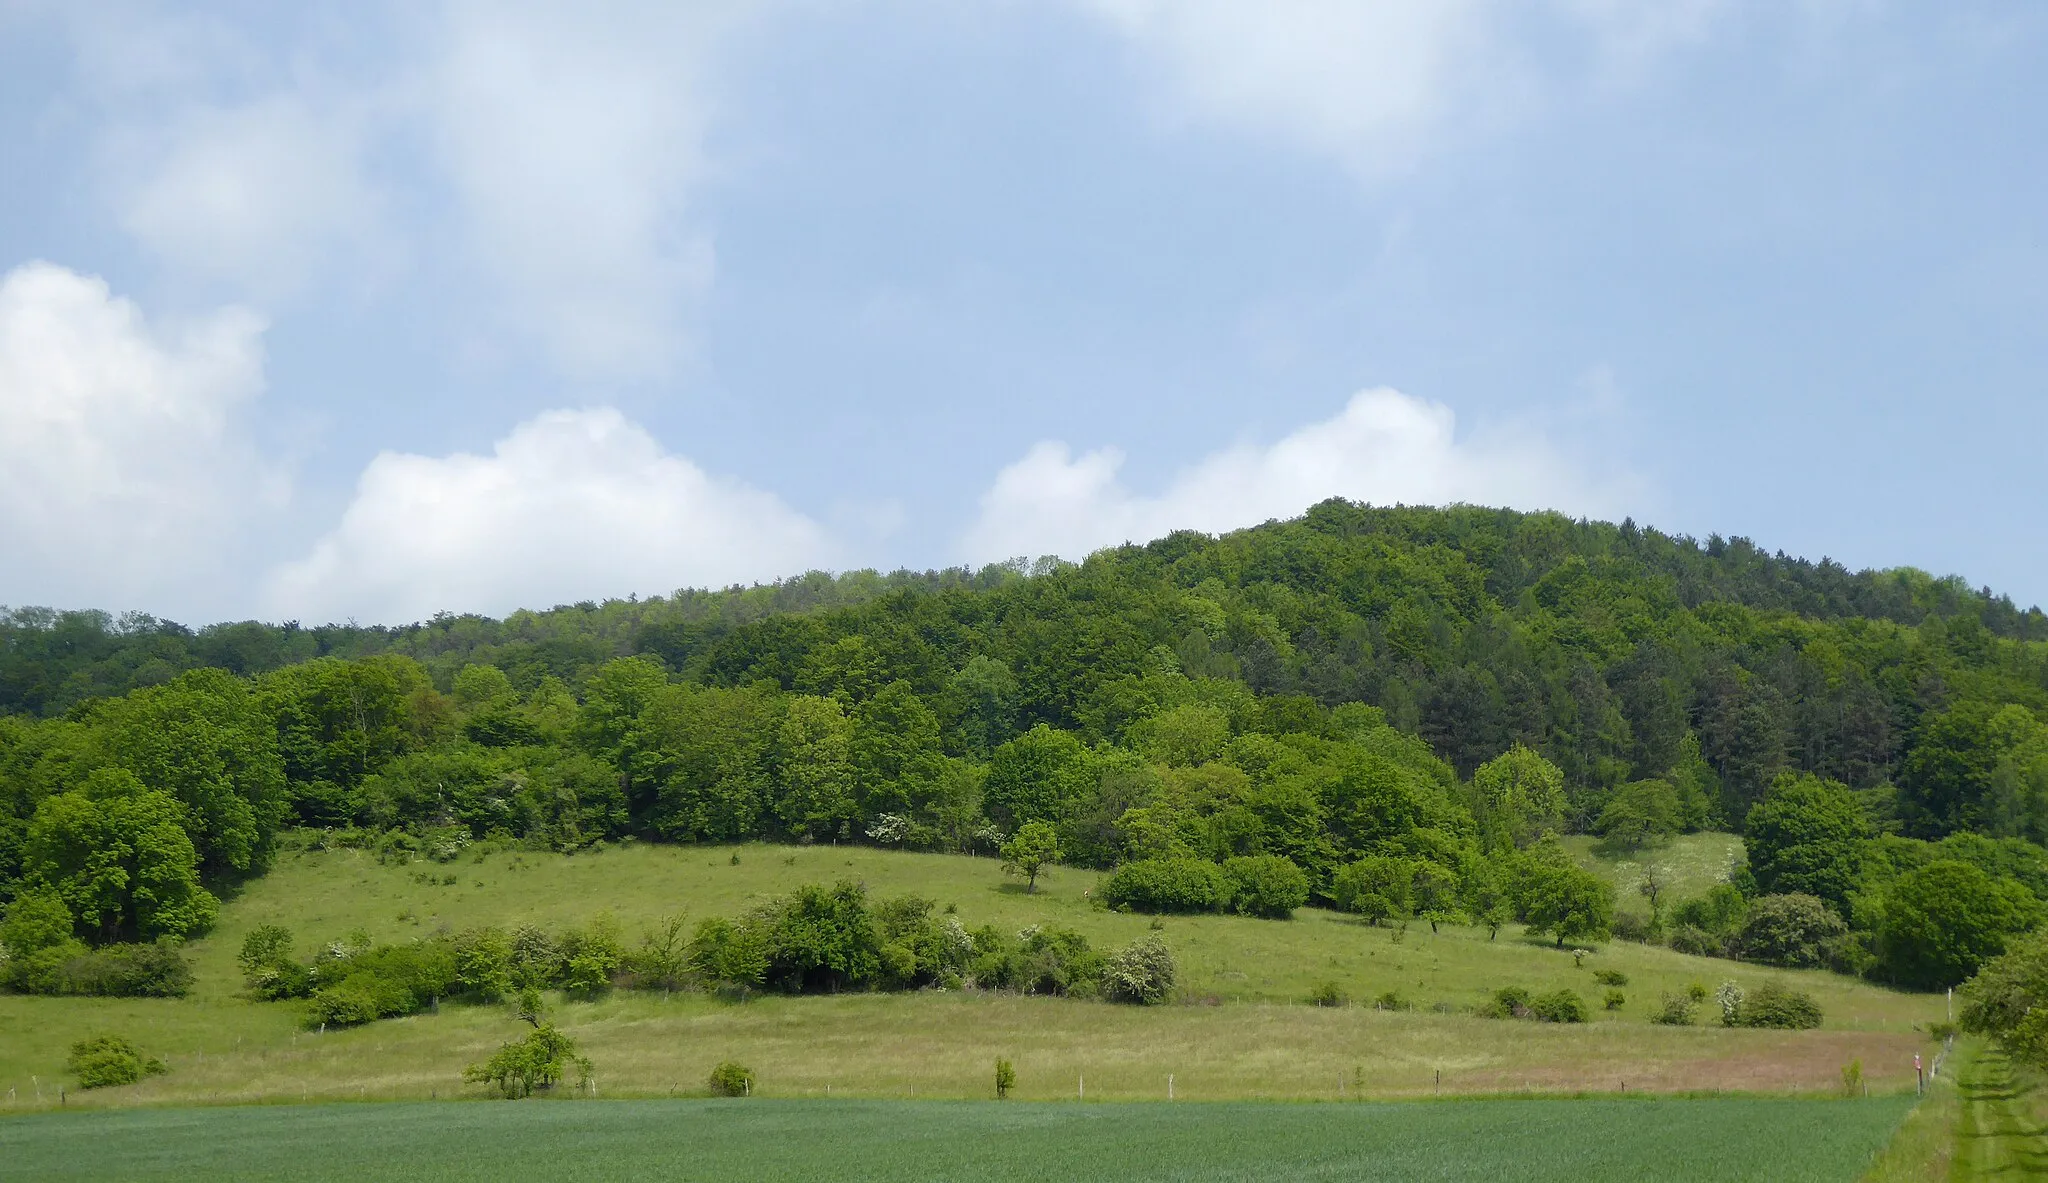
[1239,1030]
[1580,1141]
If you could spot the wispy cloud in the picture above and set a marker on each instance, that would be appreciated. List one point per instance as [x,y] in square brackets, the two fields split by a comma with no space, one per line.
[1380,86]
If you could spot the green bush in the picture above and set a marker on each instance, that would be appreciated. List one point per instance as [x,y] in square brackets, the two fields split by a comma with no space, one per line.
[2008,1000]
[156,970]
[1377,888]
[1172,885]
[1610,977]
[37,919]
[1141,972]
[921,947]
[732,1079]
[352,984]
[346,1005]
[1559,1006]
[820,940]
[1266,885]
[590,958]
[1006,1078]
[1698,942]
[1676,1011]
[1630,927]
[267,966]
[1613,999]
[266,944]
[106,1060]
[1328,994]
[536,958]
[1719,913]
[483,964]
[1795,930]
[1774,1005]
[1038,960]
[1508,1002]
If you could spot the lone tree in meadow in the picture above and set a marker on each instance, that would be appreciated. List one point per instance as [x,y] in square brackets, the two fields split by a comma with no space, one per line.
[1030,850]
[1562,898]
[535,1062]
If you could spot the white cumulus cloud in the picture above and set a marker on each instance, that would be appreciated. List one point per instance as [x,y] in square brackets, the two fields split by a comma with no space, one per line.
[570,505]
[123,467]
[1384,447]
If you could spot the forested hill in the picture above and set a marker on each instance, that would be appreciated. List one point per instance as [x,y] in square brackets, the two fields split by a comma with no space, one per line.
[1602,646]
[1388,709]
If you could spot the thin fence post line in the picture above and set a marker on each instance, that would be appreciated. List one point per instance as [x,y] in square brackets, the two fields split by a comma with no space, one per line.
[1084,1087]
[1169,1086]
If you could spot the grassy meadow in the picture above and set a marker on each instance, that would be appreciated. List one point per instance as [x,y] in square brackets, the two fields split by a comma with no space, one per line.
[1579,1141]
[1689,863]
[1240,1029]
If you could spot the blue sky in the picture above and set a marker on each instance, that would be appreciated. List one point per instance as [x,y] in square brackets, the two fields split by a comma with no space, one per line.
[362,311]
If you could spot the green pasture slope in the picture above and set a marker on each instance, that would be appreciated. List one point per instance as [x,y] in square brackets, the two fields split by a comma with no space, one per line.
[1689,864]
[1240,1029]
[1583,1141]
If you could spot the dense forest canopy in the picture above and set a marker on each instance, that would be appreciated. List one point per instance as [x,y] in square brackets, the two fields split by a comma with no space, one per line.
[1358,683]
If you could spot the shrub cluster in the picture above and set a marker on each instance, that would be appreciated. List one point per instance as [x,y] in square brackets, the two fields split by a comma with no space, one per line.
[1038,960]
[820,939]
[106,1060]
[1267,885]
[1795,930]
[1141,972]
[352,981]
[1676,1011]
[39,955]
[156,970]
[1170,885]
[828,939]
[1559,1006]
[815,940]
[1774,1005]
[1517,1002]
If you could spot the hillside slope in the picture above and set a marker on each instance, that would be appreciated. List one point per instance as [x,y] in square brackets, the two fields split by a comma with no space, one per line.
[1240,1025]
